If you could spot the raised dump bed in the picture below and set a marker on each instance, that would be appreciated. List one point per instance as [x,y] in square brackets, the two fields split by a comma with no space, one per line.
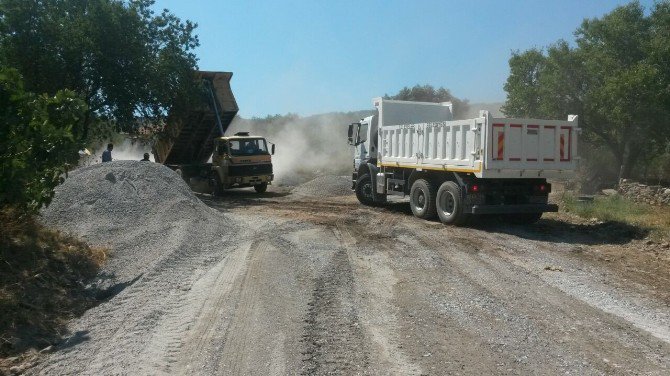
[191,131]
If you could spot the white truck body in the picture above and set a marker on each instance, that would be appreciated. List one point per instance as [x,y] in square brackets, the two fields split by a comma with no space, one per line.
[457,169]
[486,146]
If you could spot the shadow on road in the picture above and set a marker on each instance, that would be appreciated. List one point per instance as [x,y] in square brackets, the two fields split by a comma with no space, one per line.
[547,229]
[240,198]
[116,289]
[75,339]
[550,229]
[560,231]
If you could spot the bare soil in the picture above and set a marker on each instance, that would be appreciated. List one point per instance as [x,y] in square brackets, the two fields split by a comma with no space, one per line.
[323,285]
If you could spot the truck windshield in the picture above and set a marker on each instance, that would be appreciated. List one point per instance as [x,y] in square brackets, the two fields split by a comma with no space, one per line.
[252,146]
[363,133]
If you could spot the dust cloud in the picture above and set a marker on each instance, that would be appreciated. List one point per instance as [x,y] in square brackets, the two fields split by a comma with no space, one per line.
[128,149]
[305,147]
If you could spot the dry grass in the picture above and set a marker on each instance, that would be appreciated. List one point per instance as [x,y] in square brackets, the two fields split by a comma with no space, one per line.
[43,275]
[618,209]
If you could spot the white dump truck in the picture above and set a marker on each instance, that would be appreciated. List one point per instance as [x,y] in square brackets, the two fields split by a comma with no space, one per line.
[457,169]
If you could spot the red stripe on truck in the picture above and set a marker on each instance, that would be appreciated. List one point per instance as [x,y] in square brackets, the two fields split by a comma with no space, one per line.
[501,145]
[569,145]
[501,142]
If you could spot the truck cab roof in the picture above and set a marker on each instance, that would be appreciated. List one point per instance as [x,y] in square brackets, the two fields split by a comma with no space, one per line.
[236,137]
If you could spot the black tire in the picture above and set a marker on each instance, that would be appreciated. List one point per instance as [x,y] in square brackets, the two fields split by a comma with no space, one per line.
[261,188]
[422,199]
[449,204]
[524,218]
[364,190]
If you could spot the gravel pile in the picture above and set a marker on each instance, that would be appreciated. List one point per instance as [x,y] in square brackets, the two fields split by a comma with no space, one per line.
[162,240]
[325,186]
[144,212]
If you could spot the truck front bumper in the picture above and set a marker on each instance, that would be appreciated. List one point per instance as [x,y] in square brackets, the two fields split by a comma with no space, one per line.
[509,209]
[249,180]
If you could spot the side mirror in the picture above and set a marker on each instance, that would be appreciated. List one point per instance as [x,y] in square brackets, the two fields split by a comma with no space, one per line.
[273,149]
[350,133]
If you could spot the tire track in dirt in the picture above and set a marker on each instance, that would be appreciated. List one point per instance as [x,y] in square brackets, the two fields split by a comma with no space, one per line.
[574,335]
[375,283]
[238,342]
[208,294]
[333,339]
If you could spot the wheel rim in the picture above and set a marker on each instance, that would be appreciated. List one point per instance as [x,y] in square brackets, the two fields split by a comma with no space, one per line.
[420,199]
[447,203]
[367,190]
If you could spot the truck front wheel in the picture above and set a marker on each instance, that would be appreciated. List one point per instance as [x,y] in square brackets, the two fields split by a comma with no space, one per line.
[449,204]
[364,190]
[261,188]
[422,199]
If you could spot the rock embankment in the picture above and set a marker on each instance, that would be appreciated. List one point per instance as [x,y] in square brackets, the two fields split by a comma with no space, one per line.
[648,194]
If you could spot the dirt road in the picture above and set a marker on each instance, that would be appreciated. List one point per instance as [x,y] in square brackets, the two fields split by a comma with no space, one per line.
[328,286]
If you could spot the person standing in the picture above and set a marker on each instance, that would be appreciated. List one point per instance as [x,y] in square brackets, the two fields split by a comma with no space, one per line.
[146,158]
[107,154]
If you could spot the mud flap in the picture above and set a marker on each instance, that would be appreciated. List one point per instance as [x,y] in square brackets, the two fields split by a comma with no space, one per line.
[373,176]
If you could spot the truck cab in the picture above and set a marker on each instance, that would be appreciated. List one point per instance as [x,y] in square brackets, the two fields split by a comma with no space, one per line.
[363,136]
[242,161]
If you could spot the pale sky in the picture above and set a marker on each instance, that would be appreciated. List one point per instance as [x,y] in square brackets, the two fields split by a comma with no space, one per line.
[310,57]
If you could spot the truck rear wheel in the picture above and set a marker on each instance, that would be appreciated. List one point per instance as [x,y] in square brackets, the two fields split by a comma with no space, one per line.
[449,204]
[261,188]
[422,199]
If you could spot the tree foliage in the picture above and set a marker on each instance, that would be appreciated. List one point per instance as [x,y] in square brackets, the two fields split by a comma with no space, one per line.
[68,69]
[428,93]
[121,57]
[616,78]
[39,139]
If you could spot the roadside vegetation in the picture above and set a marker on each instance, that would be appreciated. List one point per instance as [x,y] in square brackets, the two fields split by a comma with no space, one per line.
[616,208]
[616,77]
[43,277]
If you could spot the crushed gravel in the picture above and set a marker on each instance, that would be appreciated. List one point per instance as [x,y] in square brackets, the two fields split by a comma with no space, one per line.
[143,212]
[325,186]
[161,238]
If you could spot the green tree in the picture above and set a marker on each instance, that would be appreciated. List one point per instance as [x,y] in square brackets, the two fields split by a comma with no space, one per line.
[616,78]
[428,93]
[39,138]
[125,61]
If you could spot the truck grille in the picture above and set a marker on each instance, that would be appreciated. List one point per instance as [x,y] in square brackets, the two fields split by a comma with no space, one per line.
[246,170]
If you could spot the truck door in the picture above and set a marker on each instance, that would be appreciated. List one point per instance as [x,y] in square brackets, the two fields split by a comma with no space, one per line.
[361,144]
